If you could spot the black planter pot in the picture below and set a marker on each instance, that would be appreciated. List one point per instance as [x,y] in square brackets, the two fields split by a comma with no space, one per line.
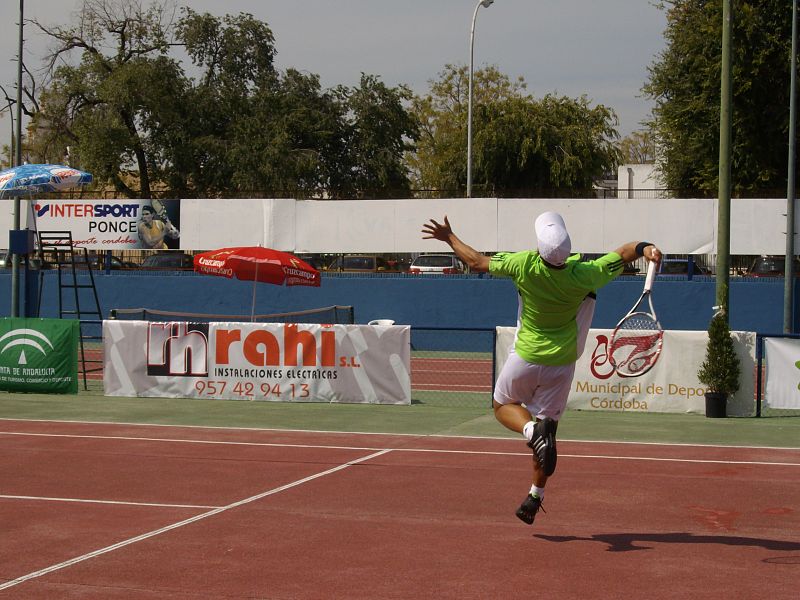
[716,405]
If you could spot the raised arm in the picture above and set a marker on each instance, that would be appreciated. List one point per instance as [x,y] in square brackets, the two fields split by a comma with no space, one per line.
[633,250]
[468,255]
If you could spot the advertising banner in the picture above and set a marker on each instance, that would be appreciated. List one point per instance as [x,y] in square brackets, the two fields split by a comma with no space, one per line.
[783,373]
[258,361]
[671,386]
[39,355]
[113,224]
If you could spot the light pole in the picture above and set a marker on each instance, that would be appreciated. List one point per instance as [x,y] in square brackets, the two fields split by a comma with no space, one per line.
[485,4]
[788,273]
[15,261]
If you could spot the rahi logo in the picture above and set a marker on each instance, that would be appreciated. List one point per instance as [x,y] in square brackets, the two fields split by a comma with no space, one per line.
[22,339]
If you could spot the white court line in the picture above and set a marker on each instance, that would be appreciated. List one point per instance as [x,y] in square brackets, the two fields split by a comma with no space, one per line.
[385,433]
[205,515]
[88,501]
[373,449]
[188,441]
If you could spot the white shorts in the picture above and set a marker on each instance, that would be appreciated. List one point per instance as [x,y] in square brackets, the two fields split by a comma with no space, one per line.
[542,389]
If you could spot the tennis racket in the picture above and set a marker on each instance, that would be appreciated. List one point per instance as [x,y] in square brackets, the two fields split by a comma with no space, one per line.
[160,209]
[636,342]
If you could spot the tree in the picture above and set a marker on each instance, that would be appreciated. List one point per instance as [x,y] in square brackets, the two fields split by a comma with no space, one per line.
[106,103]
[203,139]
[136,119]
[380,130]
[719,372]
[685,84]
[520,145]
[638,148]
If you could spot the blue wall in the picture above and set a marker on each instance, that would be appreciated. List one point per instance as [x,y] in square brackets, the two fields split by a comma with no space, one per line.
[447,301]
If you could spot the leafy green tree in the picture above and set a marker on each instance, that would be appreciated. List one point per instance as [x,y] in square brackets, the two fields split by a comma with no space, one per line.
[379,131]
[284,144]
[685,83]
[234,56]
[134,118]
[123,82]
[520,145]
[720,370]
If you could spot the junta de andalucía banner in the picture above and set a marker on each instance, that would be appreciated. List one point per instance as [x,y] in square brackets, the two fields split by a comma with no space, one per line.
[39,355]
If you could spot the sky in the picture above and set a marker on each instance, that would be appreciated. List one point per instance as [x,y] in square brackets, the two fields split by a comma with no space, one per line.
[598,48]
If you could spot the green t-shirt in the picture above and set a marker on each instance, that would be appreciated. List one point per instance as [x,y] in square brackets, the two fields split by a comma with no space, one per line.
[549,299]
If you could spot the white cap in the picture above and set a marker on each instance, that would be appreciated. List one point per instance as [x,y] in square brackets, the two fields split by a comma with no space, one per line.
[552,238]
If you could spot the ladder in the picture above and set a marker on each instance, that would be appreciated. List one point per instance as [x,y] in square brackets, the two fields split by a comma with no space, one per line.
[77,295]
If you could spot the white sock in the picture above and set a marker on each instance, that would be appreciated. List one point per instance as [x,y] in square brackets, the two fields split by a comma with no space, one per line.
[527,430]
[537,491]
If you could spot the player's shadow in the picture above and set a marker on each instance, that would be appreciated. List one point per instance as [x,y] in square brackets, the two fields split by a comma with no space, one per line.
[627,542]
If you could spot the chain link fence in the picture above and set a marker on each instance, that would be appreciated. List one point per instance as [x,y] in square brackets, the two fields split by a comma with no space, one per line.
[452,367]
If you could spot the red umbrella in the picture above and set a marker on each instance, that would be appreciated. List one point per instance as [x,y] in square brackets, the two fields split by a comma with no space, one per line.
[256,263]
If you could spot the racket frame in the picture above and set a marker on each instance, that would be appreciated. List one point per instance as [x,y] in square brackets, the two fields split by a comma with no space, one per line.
[635,311]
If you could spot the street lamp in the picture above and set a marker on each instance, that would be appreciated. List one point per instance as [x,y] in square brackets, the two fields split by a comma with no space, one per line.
[485,4]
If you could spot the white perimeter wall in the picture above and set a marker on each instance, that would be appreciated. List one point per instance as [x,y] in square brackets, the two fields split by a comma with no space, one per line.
[489,224]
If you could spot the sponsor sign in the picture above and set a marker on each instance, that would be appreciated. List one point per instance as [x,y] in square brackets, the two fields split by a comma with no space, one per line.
[783,373]
[39,355]
[671,386]
[258,361]
[112,224]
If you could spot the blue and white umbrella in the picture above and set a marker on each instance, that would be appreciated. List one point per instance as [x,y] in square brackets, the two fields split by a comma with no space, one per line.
[30,179]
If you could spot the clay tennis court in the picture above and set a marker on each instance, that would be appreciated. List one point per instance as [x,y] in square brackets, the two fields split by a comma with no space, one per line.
[137,511]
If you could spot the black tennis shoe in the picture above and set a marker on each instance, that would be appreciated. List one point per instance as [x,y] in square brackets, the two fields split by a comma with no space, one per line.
[543,444]
[528,509]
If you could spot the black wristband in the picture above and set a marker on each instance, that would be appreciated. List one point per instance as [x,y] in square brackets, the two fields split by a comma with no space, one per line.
[641,246]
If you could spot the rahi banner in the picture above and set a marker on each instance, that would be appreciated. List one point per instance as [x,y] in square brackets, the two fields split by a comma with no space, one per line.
[258,361]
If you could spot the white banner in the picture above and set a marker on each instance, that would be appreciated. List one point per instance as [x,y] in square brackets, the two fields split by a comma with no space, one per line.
[258,361]
[113,224]
[671,386]
[783,373]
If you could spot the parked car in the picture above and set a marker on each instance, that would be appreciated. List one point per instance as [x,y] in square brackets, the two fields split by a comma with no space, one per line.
[770,266]
[98,262]
[359,263]
[436,264]
[682,266]
[315,260]
[34,262]
[176,261]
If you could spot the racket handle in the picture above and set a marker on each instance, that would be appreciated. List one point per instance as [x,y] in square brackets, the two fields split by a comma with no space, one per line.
[651,276]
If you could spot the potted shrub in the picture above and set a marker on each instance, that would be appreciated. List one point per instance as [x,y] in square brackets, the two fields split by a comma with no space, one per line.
[719,372]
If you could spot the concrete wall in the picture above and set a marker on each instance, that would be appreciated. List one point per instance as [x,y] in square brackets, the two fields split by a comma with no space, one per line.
[453,301]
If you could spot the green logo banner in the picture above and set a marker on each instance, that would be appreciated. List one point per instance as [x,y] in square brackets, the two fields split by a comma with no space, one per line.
[39,355]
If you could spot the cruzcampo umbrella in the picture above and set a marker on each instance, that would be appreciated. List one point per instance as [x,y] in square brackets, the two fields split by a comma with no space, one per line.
[31,179]
[257,264]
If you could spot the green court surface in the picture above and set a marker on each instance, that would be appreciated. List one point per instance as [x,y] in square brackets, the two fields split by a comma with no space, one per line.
[418,419]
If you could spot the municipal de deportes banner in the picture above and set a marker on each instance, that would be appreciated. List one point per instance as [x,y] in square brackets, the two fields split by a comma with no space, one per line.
[671,386]
[113,224]
[258,361]
[39,355]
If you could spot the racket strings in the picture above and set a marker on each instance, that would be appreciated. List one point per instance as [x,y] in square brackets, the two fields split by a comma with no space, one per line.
[635,344]
[640,322]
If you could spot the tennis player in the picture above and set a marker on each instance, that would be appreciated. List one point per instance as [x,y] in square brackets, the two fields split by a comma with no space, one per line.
[153,231]
[556,305]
